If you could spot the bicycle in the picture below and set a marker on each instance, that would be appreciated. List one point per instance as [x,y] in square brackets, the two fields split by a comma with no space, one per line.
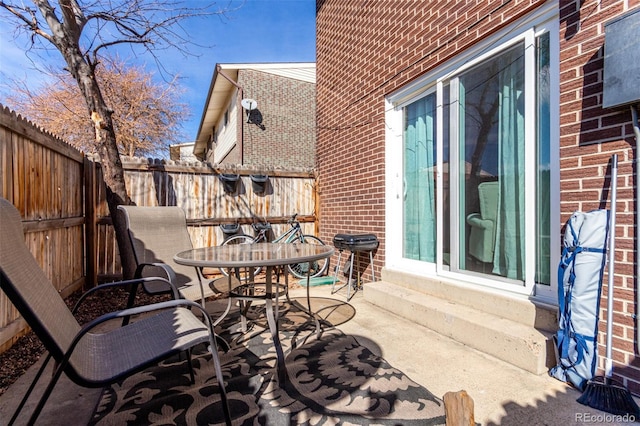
[294,235]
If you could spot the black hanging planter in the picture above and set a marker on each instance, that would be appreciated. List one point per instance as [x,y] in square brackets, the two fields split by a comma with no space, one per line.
[259,183]
[229,181]
[229,229]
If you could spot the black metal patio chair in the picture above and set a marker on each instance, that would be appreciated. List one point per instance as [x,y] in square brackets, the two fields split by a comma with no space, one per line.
[89,357]
[157,233]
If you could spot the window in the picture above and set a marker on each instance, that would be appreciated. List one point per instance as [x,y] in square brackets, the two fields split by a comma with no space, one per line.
[543,162]
[476,181]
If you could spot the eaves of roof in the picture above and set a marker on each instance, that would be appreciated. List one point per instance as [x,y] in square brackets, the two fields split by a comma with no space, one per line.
[221,89]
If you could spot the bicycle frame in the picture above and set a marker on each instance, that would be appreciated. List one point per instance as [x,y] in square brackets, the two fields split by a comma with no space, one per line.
[291,234]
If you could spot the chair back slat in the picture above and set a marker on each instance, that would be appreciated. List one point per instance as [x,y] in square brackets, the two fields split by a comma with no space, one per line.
[488,194]
[28,288]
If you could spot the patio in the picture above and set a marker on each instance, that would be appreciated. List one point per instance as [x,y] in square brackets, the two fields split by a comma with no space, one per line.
[503,394]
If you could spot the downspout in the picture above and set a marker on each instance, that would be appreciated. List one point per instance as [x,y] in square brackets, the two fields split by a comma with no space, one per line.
[241,122]
[636,130]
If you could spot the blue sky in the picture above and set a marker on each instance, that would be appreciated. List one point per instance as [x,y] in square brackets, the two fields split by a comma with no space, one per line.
[251,31]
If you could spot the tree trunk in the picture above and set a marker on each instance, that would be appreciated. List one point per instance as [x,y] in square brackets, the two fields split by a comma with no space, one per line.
[113,175]
[64,36]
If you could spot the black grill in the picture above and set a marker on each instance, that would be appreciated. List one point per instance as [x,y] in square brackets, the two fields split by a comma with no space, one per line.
[355,242]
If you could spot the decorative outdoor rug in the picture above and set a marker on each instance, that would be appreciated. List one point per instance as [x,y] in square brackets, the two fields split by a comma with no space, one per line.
[331,380]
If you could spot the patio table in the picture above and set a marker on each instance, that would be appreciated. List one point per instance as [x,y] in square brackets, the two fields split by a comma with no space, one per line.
[268,255]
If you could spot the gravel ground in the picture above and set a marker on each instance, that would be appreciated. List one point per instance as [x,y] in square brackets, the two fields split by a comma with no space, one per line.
[27,350]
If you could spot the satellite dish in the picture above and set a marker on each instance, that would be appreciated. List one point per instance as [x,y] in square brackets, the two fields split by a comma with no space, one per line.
[249,104]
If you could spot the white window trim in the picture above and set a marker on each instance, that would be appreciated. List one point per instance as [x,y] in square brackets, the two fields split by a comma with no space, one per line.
[543,19]
[549,294]
[440,267]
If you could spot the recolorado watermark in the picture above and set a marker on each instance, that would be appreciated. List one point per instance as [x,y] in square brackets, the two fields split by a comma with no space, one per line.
[604,418]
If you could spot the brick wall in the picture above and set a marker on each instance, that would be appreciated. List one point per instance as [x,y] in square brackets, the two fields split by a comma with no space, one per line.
[589,135]
[366,50]
[287,109]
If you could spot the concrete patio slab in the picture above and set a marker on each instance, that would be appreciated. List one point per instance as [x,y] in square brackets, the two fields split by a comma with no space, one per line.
[502,394]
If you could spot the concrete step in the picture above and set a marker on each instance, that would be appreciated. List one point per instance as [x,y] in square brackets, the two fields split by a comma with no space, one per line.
[517,308]
[522,345]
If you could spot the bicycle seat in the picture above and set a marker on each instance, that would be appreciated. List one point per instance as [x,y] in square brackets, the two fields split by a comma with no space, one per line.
[259,227]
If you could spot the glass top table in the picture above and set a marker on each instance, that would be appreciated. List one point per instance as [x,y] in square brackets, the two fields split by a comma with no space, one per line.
[252,255]
[269,255]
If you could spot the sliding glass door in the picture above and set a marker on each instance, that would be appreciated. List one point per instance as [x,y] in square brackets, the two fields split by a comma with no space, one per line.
[475,186]
[491,164]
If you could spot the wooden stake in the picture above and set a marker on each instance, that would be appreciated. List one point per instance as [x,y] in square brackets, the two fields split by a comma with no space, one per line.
[458,409]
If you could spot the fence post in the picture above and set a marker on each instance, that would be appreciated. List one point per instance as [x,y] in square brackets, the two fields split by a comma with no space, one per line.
[90,223]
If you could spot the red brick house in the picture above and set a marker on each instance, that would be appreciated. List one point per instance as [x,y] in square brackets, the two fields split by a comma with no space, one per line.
[427,114]
[278,128]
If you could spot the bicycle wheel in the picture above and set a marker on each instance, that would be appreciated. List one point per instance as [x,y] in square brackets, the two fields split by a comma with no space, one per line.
[243,272]
[318,267]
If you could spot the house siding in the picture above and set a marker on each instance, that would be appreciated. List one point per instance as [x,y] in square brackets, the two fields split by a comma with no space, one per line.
[226,147]
[366,52]
[287,107]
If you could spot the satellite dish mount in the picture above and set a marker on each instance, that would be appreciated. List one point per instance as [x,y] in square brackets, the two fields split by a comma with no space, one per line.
[249,105]
[253,114]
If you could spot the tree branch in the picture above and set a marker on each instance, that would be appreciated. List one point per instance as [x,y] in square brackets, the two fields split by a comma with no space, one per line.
[28,17]
[73,18]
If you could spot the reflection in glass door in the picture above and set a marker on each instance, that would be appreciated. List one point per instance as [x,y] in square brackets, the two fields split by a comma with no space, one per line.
[491,166]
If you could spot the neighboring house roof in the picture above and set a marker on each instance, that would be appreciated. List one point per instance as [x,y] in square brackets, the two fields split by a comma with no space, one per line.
[182,152]
[221,89]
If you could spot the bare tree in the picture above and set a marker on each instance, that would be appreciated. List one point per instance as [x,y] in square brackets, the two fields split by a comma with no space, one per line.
[147,115]
[81,31]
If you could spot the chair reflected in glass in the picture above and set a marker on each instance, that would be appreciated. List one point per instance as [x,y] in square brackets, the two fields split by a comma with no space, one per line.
[482,238]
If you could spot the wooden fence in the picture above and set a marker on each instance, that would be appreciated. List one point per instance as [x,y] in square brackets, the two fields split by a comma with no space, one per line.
[61,197]
[198,189]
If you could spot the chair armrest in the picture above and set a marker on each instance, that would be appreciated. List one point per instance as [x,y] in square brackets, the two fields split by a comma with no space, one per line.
[142,309]
[474,219]
[473,216]
[176,294]
[171,275]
